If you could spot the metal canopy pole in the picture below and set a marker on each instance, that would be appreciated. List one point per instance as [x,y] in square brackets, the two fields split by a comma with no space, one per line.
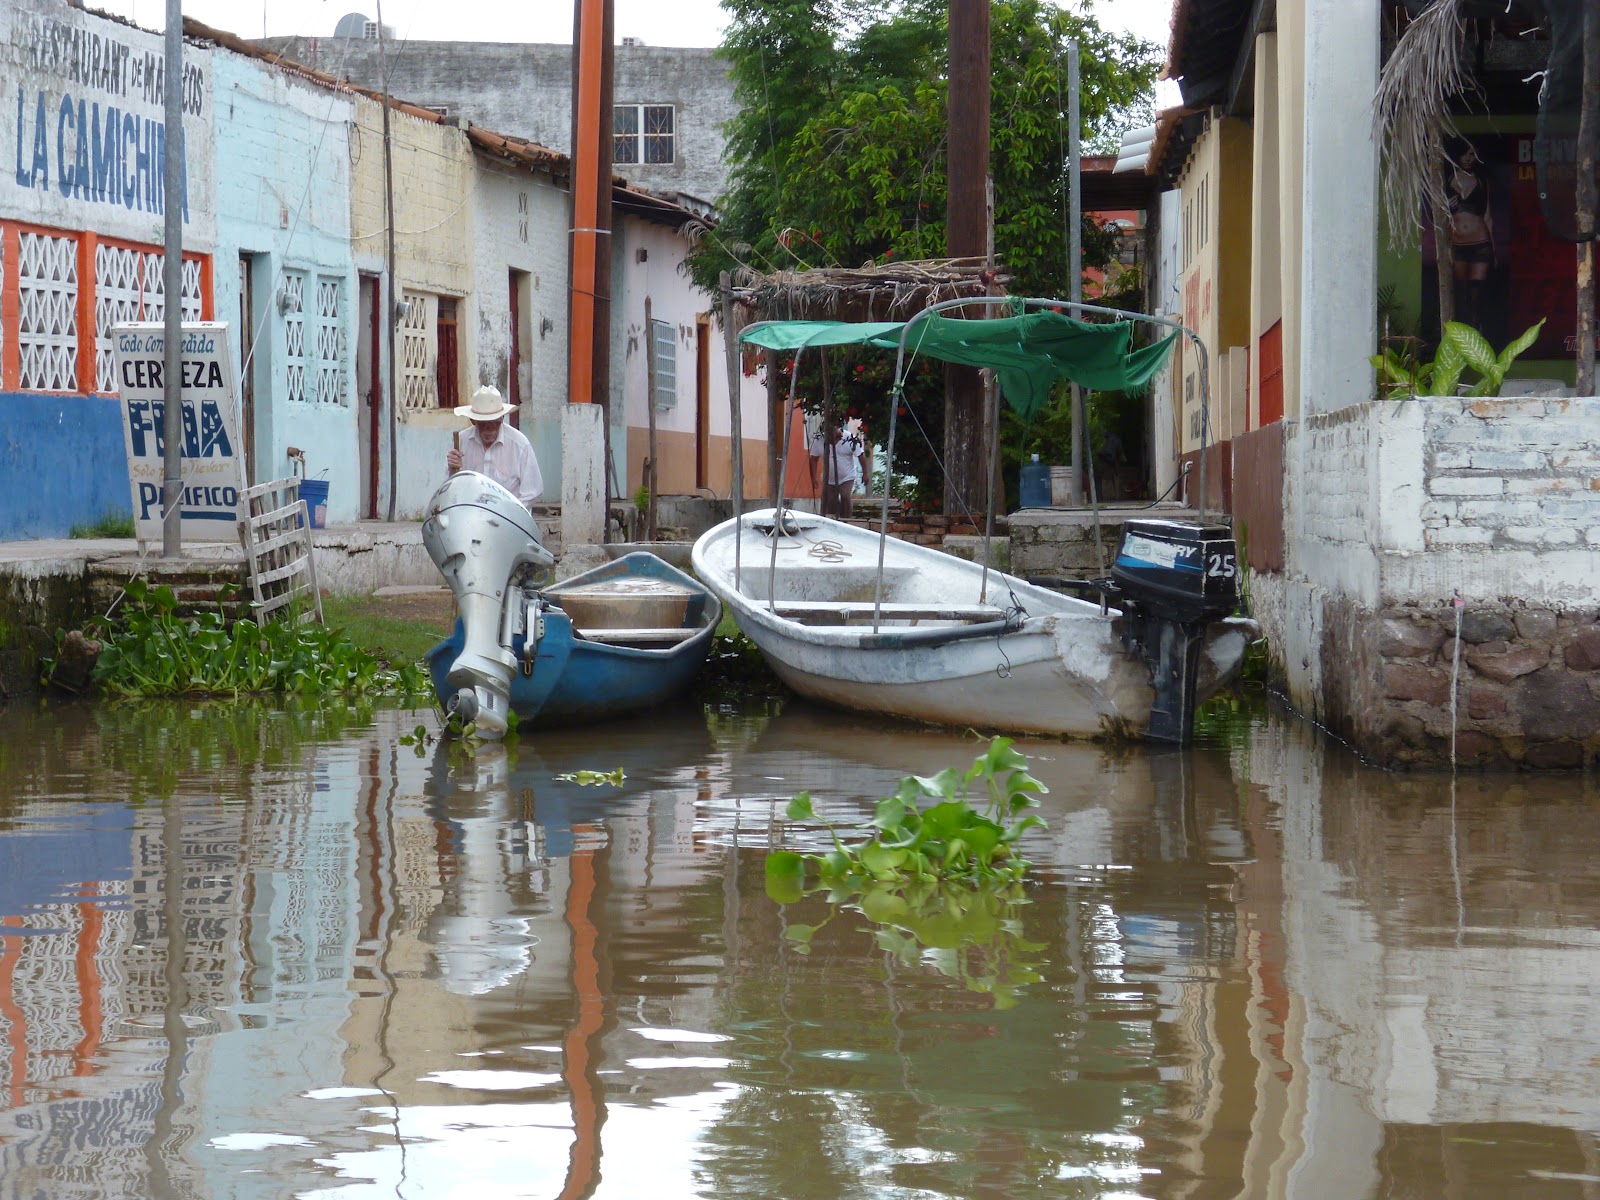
[1080,419]
[172,289]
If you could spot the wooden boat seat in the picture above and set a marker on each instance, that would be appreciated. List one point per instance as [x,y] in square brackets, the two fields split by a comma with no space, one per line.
[647,637]
[844,612]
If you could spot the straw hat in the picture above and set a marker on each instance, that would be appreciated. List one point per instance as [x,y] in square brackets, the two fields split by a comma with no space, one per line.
[487,405]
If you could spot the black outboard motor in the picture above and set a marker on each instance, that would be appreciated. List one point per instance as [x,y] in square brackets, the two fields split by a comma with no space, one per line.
[1171,579]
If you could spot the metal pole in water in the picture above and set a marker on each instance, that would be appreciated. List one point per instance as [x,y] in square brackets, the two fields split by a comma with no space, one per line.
[172,288]
[1080,420]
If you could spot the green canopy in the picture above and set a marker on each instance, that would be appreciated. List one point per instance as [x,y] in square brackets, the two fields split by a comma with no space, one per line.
[1028,352]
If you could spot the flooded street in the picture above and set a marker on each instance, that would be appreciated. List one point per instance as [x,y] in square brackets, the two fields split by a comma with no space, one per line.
[1248,970]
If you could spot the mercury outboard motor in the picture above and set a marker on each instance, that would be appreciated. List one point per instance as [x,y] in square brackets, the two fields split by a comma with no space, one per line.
[1172,579]
[485,544]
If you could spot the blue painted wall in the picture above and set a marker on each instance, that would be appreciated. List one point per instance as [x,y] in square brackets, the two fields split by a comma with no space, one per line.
[283,196]
[62,463]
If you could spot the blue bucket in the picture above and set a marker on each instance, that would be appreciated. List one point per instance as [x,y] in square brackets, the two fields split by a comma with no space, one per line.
[315,493]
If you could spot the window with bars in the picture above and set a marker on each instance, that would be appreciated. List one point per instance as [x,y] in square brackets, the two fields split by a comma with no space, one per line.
[419,351]
[664,358]
[292,303]
[52,279]
[130,285]
[642,133]
[47,311]
[330,341]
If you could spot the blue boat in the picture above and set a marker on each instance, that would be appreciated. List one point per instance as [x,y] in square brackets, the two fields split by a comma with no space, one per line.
[619,639]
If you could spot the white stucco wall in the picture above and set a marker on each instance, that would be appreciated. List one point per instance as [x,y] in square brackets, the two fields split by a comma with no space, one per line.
[521,224]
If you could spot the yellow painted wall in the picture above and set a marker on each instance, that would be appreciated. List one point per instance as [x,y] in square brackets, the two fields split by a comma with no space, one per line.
[1291,177]
[433,185]
[1266,265]
[1215,246]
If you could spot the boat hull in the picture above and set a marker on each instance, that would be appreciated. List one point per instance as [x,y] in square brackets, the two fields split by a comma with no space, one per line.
[575,680]
[1056,667]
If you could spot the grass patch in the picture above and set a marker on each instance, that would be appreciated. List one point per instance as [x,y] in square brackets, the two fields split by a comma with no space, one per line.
[111,525]
[387,628]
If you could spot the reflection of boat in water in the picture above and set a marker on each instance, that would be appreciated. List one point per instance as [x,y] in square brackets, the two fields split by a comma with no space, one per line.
[621,638]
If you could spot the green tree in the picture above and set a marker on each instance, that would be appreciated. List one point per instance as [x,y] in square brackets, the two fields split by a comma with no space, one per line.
[838,154]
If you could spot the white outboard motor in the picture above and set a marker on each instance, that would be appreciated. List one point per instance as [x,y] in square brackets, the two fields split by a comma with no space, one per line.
[485,544]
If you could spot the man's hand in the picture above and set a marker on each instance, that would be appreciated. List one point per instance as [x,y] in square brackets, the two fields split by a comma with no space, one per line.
[452,459]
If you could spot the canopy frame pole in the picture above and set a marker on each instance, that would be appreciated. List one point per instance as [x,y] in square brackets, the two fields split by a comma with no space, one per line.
[778,497]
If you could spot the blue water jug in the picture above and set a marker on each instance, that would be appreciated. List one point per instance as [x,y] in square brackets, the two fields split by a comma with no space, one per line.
[1034,491]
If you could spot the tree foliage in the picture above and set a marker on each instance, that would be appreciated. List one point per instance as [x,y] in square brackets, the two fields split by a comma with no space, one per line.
[837,156]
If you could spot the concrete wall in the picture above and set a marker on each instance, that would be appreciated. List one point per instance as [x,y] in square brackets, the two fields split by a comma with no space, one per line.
[434,175]
[521,225]
[283,167]
[1424,512]
[526,90]
[70,76]
[680,427]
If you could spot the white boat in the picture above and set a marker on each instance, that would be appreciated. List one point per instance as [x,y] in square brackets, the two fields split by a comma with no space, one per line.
[943,641]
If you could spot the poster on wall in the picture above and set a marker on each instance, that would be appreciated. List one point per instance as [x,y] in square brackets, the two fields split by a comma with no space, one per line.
[1510,270]
[212,469]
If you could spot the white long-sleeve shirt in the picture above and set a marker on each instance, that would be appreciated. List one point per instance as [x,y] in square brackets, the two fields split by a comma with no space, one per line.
[509,462]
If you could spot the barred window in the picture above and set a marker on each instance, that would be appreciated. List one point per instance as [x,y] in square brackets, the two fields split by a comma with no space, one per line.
[130,285]
[47,311]
[642,133]
[418,351]
[330,340]
[292,303]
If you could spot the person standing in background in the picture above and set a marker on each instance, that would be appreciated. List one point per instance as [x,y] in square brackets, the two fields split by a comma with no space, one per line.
[495,449]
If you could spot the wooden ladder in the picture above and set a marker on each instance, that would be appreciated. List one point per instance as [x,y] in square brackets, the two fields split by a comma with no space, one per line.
[275,533]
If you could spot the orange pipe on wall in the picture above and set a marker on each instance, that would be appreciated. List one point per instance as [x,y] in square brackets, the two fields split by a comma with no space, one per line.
[591,184]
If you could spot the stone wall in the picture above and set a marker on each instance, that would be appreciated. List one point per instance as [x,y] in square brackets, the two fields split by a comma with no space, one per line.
[1399,511]
[1521,686]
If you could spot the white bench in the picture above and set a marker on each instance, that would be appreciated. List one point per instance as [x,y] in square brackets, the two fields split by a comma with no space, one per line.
[648,637]
[845,612]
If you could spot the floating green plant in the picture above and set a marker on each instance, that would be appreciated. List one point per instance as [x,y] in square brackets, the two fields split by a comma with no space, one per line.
[947,841]
[153,650]
[939,876]
[594,778]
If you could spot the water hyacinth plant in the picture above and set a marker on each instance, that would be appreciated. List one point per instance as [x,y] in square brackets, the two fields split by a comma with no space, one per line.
[153,650]
[941,882]
[948,841]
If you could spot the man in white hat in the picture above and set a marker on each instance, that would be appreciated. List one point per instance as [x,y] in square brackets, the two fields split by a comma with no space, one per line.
[495,448]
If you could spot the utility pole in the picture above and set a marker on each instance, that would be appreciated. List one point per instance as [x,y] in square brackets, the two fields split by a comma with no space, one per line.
[1080,422]
[172,289]
[393,312]
[966,455]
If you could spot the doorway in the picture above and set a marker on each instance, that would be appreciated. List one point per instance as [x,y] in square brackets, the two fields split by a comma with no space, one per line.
[251,281]
[369,407]
[702,398]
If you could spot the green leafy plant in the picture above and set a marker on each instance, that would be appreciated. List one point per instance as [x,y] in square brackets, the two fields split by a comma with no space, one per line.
[153,650]
[593,778]
[1460,349]
[941,882]
[950,840]
[641,498]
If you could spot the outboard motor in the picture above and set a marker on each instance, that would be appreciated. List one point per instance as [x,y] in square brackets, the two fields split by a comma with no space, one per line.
[1172,579]
[485,544]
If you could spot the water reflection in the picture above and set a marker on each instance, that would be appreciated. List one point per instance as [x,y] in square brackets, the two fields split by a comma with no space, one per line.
[1265,971]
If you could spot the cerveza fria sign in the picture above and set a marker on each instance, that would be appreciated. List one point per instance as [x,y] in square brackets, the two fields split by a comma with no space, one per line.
[211,467]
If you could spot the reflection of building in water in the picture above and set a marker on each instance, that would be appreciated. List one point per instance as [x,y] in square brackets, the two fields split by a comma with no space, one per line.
[1433,991]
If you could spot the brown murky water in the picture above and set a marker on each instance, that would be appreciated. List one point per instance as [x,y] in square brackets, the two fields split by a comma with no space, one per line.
[1259,970]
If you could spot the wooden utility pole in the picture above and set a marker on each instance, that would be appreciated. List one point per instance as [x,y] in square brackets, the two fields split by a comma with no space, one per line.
[589,287]
[1588,198]
[966,452]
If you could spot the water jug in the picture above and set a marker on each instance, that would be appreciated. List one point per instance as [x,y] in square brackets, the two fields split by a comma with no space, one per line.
[1034,491]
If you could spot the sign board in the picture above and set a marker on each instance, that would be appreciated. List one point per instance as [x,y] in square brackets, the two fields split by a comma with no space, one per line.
[211,462]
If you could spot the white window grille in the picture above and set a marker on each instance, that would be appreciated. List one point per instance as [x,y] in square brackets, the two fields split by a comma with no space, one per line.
[47,318]
[419,351]
[330,340]
[642,133]
[292,303]
[130,285]
[664,353]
